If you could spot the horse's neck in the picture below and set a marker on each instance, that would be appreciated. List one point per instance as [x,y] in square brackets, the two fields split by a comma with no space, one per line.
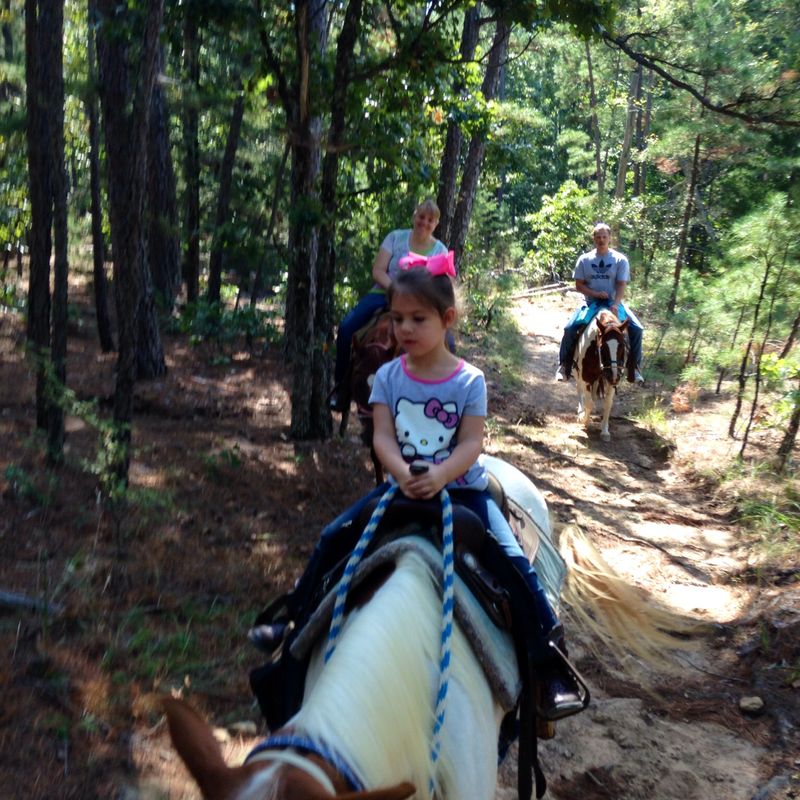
[373,701]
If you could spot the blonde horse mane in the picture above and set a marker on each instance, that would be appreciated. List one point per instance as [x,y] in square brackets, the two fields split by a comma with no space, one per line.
[617,615]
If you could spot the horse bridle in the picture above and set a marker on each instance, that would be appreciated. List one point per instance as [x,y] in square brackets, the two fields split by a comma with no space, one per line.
[611,364]
[275,748]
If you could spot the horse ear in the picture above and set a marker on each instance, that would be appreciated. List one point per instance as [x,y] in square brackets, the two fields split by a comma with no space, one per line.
[624,325]
[199,750]
[399,792]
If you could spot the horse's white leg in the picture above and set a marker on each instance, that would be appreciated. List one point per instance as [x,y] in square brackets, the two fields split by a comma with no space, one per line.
[584,403]
[608,401]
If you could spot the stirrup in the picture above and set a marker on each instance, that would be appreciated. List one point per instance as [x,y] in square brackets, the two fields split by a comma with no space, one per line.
[582,696]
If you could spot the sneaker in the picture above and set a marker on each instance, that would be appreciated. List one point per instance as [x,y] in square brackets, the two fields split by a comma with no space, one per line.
[637,376]
[562,374]
[267,638]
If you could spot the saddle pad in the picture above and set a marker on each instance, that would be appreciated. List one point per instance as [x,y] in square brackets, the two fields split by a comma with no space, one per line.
[530,521]
[493,648]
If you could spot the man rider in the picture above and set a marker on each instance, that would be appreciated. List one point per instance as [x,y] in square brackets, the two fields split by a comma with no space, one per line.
[601,275]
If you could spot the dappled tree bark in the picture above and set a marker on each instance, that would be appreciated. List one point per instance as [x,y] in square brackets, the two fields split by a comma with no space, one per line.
[191,160]
[684,232]
[126,111]
[163,248]
[451,156]
[53,36]
[99,280]
[477,145]
[224,197]
[41,196]
[326,258]
[301,336]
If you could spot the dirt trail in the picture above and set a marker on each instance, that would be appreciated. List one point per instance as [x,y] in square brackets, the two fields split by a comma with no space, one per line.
[664,534]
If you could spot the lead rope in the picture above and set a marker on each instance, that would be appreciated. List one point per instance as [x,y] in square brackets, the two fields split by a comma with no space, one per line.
[448,593]
[337,617]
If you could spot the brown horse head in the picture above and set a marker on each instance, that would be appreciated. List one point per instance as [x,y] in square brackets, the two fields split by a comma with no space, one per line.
[611,344]
[372,348]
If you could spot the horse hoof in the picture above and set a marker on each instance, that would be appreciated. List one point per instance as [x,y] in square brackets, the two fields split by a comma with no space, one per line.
[606,437]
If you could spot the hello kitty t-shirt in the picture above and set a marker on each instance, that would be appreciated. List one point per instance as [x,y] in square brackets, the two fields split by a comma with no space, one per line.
[427,413]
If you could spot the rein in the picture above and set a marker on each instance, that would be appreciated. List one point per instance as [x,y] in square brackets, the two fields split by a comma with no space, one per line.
[273,749]
[448,600]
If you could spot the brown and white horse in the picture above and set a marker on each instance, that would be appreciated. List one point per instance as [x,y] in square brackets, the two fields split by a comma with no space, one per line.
[600,366]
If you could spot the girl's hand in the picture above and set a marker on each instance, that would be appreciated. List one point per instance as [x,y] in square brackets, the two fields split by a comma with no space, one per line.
[423,485]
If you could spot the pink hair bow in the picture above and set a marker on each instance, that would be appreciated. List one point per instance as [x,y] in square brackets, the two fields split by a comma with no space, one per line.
[435,410]
[442,264]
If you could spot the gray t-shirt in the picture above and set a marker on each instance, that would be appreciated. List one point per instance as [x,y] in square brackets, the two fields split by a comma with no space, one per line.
[397,243]
[427,413]
[601,273]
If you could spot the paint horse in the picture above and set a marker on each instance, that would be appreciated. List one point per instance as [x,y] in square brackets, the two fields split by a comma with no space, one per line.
[364,729]
[366,724]
[600,366]
[372,346]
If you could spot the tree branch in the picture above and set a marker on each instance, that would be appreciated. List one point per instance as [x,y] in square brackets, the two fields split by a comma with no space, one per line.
[726,109]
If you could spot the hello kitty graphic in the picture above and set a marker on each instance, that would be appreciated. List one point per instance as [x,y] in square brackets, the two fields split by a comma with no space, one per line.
[425,430]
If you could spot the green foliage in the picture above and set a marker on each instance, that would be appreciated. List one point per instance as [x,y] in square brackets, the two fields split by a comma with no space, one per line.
[225,327]
[559,229]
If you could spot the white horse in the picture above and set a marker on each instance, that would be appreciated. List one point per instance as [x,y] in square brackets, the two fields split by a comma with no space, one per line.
[600,365]
[365,728]
[373,706]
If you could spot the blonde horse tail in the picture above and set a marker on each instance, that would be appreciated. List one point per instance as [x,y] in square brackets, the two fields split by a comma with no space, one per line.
[622,618]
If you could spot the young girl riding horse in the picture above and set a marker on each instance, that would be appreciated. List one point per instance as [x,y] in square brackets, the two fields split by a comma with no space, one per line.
[429,411]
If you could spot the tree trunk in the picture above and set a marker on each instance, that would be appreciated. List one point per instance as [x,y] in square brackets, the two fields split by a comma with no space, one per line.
[643,131]
[448,173]
[52,39]
[777,285]
[224,197]
[627,138]
[595,124]
[326,258]
[162,239]
[684,233]
[8,39]
[98,245]
[746,357]
[191,163]
[126,146]
[477,146]
[791,338]
[41,197]
[790,437]
[301,289]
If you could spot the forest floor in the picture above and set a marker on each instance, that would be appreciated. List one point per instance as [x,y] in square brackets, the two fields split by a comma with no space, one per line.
[157,596]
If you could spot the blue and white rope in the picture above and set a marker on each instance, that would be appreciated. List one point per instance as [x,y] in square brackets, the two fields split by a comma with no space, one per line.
[448,599]
[337,619]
